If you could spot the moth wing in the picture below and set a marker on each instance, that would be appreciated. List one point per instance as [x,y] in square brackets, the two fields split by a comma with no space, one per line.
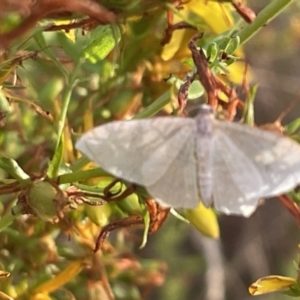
[140,151]
[236,178]
[178,186]
[275,157]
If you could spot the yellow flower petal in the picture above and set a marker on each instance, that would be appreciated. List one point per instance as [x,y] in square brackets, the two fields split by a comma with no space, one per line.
[61,279]
[272,283]
[204,219]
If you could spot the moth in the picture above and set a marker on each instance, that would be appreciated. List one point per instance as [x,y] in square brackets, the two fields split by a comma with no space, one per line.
[181,161]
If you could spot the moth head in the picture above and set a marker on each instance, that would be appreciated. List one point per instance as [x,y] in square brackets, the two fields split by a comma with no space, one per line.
[206,110]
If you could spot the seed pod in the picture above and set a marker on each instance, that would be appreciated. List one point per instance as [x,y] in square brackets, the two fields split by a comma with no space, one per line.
[44,201]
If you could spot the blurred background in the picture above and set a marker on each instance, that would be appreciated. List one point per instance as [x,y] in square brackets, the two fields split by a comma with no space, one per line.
[187,265]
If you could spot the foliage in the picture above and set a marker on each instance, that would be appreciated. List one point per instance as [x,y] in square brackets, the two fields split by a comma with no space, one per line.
[59,79]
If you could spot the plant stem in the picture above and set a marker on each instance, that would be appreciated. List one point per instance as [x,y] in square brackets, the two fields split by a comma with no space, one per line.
[81,175]
[66,101]
[154,107]
[264,17]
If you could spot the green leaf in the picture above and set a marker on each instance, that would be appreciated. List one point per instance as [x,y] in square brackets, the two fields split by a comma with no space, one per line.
[102,40]
[4,105]
[146,218]
[248,111]
[195,91]
[292,127]
[232,45]
[212,51]
[54,166]
[12,167]
[9,217]
[223,42]
[73,50]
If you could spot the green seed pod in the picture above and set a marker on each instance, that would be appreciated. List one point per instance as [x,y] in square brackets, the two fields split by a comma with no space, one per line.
[44,201]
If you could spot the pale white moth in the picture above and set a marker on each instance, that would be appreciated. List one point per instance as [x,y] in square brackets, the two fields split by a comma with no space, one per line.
[182,160]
